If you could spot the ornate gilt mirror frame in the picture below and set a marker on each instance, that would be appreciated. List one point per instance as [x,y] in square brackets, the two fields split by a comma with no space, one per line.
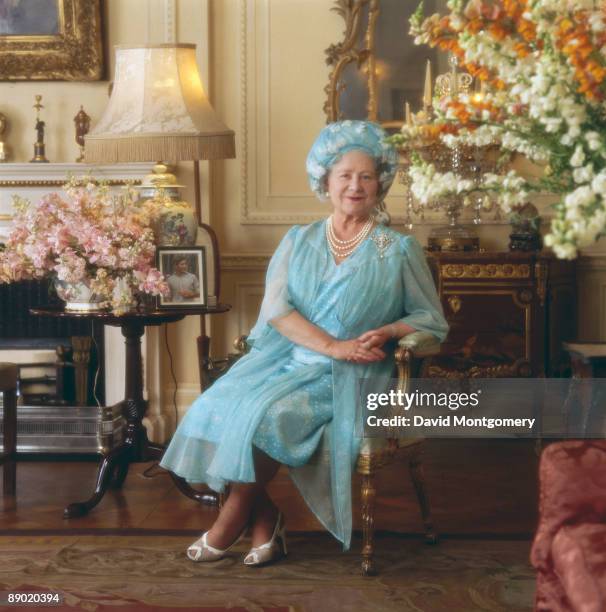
[348,52]
[377,68]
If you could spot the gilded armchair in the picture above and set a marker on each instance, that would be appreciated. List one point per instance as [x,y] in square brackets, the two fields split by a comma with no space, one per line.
[376,453]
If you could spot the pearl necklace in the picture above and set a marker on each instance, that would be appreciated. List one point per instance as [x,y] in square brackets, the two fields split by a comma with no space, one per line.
[344,248]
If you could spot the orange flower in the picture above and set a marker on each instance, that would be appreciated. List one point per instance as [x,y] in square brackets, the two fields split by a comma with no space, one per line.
[527,30]
[498,31]
[522,50]
[575,39]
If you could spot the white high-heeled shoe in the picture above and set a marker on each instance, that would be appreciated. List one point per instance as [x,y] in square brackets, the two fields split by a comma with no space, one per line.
[270,551]
[202,551]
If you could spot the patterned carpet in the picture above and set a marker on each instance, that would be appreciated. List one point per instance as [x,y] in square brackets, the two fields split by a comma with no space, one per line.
[124,573]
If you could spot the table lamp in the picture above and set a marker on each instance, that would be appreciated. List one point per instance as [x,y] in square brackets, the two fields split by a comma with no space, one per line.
[158,111]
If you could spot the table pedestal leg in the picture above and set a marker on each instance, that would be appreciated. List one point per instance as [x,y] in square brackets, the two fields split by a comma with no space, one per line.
[209,498]
[116,459]
[135,446]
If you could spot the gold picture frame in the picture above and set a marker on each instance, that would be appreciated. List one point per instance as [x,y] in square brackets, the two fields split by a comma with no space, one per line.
[61,43]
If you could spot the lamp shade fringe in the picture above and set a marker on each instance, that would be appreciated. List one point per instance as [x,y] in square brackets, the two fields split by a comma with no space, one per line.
[159,148]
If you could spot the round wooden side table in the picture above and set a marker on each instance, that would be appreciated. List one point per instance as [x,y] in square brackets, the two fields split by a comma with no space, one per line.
[135,447]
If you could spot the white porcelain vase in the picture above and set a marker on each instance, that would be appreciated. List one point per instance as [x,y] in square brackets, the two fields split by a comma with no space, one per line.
[78,297]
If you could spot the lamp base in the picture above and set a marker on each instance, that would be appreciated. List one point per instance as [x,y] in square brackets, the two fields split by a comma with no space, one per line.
[176,223]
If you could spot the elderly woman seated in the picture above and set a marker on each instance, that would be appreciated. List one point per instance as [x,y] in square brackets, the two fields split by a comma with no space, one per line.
[336,292]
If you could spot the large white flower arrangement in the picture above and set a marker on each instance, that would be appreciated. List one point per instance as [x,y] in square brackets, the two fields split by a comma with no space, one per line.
[544,62]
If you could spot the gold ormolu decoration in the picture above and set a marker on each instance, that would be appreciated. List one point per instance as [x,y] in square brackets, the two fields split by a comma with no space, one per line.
[368,494]
[500,371]
[82,123]
[3,147]
[447,243]
[455,303]
[525,296]
[39,153]
[73,54]
[479,270]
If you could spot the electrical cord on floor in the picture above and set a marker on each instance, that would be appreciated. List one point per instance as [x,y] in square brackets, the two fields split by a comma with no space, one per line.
[150,471]
[172,373]
[98,370]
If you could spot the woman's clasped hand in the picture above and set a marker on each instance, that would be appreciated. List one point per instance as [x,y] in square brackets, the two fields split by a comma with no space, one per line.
[367,348]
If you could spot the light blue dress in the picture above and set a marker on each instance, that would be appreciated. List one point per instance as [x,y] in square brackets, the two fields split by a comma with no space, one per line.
[297,405]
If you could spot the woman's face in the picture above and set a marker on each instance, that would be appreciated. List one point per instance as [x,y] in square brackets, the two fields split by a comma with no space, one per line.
[353,185]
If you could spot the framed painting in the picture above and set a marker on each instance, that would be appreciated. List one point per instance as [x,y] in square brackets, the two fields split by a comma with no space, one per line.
[185,271]
[51,40]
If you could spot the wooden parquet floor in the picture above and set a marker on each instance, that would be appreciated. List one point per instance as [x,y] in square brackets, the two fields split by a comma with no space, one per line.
[477,488]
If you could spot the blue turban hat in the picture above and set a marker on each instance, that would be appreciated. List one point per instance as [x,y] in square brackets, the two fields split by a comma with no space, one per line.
[338,138]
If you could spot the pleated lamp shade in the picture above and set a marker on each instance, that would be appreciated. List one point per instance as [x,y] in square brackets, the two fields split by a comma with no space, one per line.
[158,110]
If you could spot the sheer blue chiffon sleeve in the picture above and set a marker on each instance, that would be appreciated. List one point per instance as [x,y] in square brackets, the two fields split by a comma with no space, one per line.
[276,301]
[421,301]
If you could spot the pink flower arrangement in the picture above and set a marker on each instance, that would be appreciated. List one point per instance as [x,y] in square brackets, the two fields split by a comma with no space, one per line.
[90,236]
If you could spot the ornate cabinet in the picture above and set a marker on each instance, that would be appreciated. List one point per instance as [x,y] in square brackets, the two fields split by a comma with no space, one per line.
[509,313]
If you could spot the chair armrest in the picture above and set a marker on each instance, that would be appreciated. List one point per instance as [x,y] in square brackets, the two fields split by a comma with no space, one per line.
[241,344]
[413,347]
[420,344]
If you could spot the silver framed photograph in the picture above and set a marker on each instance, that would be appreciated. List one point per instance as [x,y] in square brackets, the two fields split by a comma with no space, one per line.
[184,269]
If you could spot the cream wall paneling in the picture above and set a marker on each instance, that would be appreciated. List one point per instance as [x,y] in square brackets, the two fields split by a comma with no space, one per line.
[282,78]
[244,262]
[249,296]
[170,21]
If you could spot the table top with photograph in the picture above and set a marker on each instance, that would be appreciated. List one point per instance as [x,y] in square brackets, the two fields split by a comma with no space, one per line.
[146,316]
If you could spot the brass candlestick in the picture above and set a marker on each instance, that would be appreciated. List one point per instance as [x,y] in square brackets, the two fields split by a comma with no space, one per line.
[82,122]
[39,154]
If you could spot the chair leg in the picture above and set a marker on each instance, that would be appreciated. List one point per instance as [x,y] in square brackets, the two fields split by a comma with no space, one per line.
[368,523]
[10,443]
[415,466]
